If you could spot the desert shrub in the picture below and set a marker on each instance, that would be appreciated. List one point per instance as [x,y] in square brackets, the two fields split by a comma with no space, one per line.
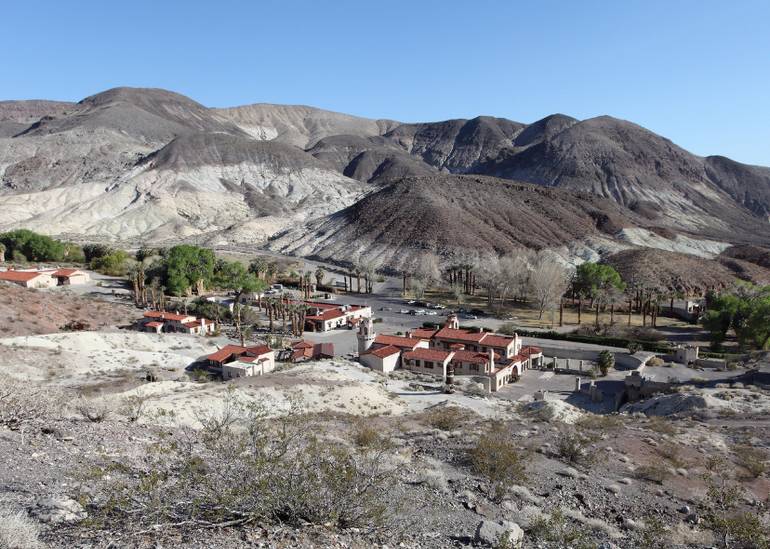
[573,447]
[721,514]
[133,407]
[653,472]
[366,436]
[634,347]
[75,326]
[661,426]
[600,423]
[17,530]
[653,533]
[95,411]
[498,459]
[557,529]
[754,460]
[671,453]
[242,467]
[23,403]
[655,362]
[446,418]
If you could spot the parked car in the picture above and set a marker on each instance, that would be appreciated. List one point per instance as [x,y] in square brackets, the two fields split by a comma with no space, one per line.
[477,312]
[404,311]
[470,317]
[410,302]
[386,308]
[431,313]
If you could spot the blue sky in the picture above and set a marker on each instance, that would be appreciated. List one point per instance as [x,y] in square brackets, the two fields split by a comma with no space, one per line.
[697,72]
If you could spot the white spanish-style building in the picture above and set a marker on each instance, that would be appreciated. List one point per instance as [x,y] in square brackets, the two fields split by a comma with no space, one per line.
[235,361]
[449,351]
[165,322]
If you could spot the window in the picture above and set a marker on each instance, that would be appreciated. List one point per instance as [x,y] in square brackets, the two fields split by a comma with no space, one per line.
[429,365]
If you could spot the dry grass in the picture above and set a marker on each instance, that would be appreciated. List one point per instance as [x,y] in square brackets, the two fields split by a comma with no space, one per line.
[17,530]
[33,312]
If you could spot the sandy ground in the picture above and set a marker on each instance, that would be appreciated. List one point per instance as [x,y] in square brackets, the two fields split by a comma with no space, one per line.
[113,366]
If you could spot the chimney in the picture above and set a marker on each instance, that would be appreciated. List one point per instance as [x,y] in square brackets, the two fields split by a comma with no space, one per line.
[203,325]
[452,322]
[491,359]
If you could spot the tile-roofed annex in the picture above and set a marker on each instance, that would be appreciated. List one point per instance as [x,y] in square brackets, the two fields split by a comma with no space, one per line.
[459,335]
[472,357]
[495,340]
[164,315]
[64,272]
[396,341]
[228,351]
[434,355]
[423,333]
[18,276]
[382,352]
[328,314]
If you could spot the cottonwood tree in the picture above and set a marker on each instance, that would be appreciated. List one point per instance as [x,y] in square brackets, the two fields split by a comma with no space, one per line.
[234,276]
[548,281]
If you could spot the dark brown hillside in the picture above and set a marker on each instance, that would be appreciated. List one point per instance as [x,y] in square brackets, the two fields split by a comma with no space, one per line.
[447,214]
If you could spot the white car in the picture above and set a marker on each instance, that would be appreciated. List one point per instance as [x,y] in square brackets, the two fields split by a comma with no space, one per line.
[431,313]
[404,311]
[411,302]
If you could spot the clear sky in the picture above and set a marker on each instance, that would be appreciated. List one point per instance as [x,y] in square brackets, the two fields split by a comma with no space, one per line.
[696,71]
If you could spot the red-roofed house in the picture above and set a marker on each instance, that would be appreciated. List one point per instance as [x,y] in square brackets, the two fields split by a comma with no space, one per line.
[427,361]
[322,317]
[383,358]
[304,350]
[29,279]
[236,361]
[70,277]
[401,342]
[163,321]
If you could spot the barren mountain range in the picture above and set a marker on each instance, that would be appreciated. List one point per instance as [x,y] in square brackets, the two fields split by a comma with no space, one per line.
[134,165]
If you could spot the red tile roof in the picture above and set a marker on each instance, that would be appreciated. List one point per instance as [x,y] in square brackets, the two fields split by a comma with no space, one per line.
[154,324]
[193,324]
[236,350]
[460,335]
[66,273]
[427,354]
[164,315]
[19,276]
[494,340]
[397,341]
[531,350]
[382,352]
[331,314]
[302,344]
[472,357]
[423,333]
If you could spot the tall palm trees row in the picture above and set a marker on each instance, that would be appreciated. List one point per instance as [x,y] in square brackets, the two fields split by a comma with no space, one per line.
[291,314]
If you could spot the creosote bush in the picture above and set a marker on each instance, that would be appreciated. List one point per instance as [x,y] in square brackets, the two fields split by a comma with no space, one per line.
[499,460]
[241,467]
[754,460]
[573,447]
[446,418]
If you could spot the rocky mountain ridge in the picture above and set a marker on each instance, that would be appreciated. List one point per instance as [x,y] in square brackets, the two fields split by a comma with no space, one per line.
[147,164]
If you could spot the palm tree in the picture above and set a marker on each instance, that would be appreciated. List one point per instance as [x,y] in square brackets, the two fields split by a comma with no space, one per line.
[307,277]
[258,266]
[319,276]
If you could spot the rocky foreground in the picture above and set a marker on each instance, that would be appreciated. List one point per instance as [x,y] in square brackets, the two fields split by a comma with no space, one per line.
[76,475]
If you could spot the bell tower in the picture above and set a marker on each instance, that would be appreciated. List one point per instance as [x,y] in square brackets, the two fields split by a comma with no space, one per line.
[365,335]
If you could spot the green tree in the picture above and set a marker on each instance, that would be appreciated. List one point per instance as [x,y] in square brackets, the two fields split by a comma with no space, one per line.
[32,246]
[233,276]
[746,311]
[95,251]
[606,361]
[596,280]
[112,264]
[188,267]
